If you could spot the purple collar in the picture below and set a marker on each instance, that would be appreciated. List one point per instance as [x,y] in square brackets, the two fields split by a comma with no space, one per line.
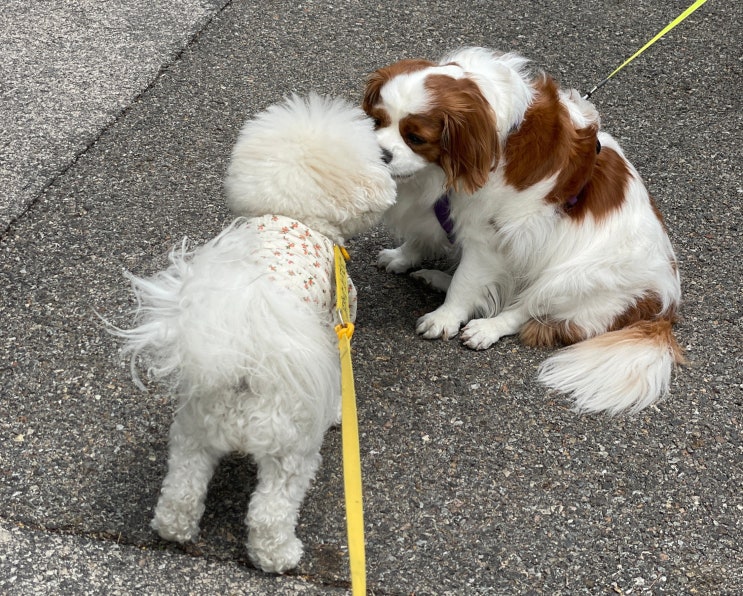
[442,210]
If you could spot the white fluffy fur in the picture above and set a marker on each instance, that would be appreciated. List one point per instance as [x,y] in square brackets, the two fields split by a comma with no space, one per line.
[314,164]
[256,368]
[588,371]
[520,259]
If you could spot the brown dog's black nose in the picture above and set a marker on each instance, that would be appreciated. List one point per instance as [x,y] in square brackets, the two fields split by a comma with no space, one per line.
[386,156]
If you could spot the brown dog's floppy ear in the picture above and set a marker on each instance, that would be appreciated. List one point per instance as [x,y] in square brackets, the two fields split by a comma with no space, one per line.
[469,142]
[374,83]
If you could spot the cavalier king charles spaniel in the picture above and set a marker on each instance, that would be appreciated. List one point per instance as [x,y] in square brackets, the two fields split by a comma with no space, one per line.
[553,231]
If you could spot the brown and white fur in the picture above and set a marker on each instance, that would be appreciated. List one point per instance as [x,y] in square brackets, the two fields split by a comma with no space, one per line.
[556,236]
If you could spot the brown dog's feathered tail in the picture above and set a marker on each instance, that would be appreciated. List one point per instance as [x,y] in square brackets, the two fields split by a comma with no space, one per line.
[620,371]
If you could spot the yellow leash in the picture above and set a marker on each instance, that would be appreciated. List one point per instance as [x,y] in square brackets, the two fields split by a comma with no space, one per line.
[350,431]
[667,28]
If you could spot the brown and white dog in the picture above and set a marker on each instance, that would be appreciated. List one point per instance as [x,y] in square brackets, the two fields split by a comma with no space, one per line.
[556,236]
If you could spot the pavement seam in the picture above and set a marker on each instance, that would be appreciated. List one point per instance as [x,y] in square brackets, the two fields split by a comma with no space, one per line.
[164,67]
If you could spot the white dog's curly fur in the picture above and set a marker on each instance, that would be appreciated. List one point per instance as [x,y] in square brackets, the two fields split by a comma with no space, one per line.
[242,326]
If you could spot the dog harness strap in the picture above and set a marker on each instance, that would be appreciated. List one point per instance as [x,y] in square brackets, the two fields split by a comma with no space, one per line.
[350,432]
[442,210]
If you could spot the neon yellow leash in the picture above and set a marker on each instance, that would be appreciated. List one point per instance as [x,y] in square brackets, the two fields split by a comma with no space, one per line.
[350,431]
[667,28]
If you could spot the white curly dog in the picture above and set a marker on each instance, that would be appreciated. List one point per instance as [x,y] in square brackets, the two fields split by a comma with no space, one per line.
[242,327]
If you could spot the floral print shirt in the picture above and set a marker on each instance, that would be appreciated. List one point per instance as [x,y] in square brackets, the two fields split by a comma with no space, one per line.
[301,260]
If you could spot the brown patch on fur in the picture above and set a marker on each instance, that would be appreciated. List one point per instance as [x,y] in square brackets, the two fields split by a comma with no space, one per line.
[468,142]
[659,331]
[643,320]
[380,116]
[428,131]
[547,143]
[550,333]
[647,320]
[646,308]
[376,80]
[604,192]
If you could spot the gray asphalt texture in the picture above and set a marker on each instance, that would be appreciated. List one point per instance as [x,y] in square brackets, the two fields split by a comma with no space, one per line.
[117,125]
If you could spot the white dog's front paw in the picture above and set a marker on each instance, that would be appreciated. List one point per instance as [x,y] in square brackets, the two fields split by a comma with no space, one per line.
[394,260]
[443,323]
[274,555]
[480,334]
[176,522]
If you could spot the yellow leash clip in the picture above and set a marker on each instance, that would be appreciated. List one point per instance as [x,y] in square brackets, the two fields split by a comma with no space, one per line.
[350,431]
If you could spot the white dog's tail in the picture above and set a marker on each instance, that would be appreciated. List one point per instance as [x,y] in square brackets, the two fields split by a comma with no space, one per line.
[623,370]
[213,321]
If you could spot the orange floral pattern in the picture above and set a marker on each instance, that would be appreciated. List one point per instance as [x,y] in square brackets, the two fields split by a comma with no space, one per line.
[301,260]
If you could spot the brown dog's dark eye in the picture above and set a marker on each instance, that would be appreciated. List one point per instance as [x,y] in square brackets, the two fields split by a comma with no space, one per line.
[414,139]
[377,123]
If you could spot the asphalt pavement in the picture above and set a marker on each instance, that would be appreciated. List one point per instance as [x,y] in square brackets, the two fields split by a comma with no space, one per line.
[117,123]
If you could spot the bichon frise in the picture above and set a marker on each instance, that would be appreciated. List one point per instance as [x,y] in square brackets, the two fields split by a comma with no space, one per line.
[242,327]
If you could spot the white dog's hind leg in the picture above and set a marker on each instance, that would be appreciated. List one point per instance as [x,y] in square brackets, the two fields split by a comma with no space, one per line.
[274,510]
[191,465]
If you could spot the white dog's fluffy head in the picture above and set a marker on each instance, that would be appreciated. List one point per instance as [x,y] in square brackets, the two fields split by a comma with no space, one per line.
[313,159]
